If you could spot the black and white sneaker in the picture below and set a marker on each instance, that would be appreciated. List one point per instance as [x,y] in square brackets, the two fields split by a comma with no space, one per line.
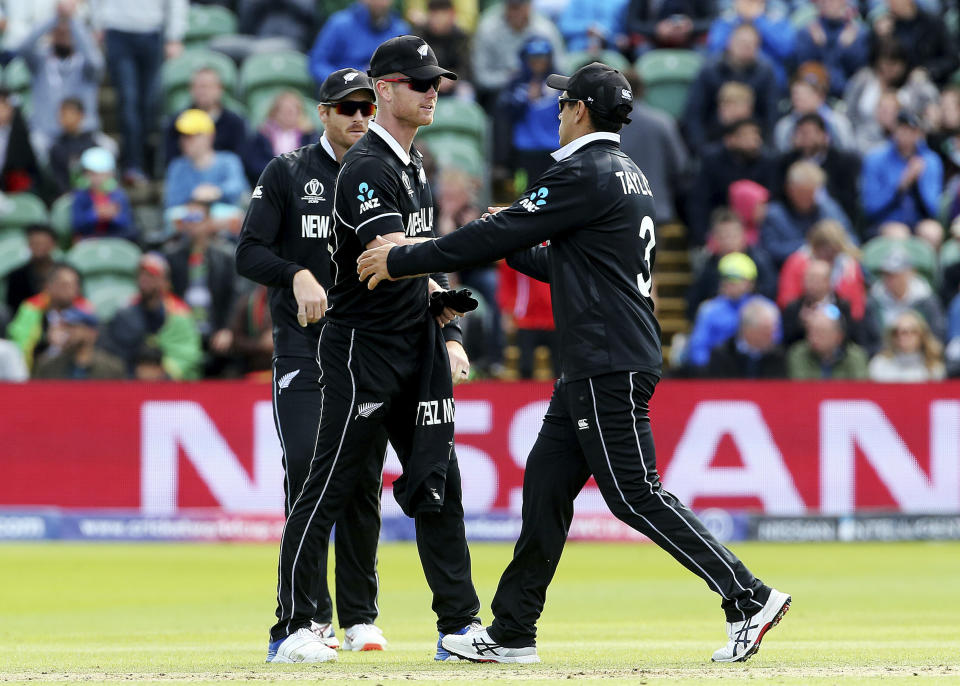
[477,646]
[745,636]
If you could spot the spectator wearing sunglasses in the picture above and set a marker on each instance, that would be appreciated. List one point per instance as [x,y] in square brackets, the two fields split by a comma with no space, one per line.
[911,353]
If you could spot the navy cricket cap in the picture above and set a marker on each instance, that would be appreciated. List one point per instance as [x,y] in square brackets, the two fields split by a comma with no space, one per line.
[407,55]
[603,89]
[342,83]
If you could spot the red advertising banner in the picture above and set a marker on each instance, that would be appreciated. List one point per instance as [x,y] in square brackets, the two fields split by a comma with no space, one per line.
[774,447]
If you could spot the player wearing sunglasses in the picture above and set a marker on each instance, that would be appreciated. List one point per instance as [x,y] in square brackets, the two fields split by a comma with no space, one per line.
[283,245]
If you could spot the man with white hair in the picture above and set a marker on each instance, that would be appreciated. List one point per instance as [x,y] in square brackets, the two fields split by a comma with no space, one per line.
[754,352]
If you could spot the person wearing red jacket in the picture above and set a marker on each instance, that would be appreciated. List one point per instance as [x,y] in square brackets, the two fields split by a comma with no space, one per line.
[525,303]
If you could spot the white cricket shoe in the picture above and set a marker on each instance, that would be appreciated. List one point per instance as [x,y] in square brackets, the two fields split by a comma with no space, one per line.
[326,633]
[301,646]
[364,637]
[477,646]
[745,636]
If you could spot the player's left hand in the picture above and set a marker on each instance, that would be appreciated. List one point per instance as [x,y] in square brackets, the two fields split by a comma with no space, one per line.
[372,264]
[459,362]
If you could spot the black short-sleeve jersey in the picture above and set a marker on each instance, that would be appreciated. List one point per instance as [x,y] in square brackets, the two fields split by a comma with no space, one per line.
[286,229]
[380,190]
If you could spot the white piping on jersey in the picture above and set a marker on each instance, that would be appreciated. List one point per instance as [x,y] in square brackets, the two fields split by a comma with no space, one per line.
[577,143]
[392,142]
[325,144]
[373,219]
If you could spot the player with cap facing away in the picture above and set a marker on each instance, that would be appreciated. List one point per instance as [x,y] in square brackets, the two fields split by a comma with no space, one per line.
[595,208]
[385,365]
[284,245]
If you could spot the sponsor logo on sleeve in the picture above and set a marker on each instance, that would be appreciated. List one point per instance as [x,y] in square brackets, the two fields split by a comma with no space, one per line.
[536,200]
[257,193]
[365,196]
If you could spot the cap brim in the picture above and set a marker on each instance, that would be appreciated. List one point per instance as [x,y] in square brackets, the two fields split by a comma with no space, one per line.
[429,71]
[340,95]
[557,81]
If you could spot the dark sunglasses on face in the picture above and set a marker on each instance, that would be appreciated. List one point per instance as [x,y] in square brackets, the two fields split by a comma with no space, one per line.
[564,101]
[418,85]
[348,108]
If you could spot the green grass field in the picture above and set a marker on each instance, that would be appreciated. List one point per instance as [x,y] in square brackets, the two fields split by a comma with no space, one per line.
[615,613]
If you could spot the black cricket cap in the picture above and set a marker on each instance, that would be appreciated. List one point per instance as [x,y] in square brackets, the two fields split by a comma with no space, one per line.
[342,83]
[909,118]
[602,88]
[407,55]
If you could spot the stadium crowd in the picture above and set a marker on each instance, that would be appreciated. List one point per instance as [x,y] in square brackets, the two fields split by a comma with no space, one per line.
[811,150]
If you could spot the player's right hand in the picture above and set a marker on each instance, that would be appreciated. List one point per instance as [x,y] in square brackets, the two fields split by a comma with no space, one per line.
[310,296]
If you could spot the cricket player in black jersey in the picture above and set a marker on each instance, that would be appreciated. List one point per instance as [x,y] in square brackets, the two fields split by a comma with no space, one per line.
[284,245]
[595,208]
[385,364]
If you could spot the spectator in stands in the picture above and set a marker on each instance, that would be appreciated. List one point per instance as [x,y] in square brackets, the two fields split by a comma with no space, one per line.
[944,138]
[876,93]
[826,353]
[748,200]
[817,292]
[740,62]
[138,35]
[589,25]
[735,101]
[812,143]
[741,155]
[910,354]
[73,140]
[78,358]
[157,320]
[526,115]
[678,24]
[35,326]
[754,352]
[18,18]
[808,95]
[65,62]
[827,241]
[449,42]
[18,163]
[777,35]
[206,94]
[294,20]
[837,39]
[901,180]
[805,202]
[101,209]
[201,164]
[899,289]
[285,129]
[202,273]
[924,38]
[496,45]
[652,140]
[718,318]
[27,280]
[251,334]
[728,236]
[350,36]
[527,311]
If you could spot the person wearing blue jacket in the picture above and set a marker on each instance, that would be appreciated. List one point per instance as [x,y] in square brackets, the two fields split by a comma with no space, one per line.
[777,35]
[901,180]
[102,209]
[591,25]
[836,39]
[719,318]
[350,36]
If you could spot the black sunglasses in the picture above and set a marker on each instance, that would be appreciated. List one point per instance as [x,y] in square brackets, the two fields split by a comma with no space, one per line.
[418,85]
[564,101]
[348,108]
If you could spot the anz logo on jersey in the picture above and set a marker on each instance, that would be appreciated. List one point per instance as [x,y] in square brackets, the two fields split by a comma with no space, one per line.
[419,222]
[365,196]
[536,200]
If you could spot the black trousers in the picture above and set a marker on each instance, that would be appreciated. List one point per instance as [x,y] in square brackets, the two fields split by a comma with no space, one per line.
[600,427]
[370,384]
[297,404]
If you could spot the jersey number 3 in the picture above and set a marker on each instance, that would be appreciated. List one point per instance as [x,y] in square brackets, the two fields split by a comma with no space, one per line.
[647,242]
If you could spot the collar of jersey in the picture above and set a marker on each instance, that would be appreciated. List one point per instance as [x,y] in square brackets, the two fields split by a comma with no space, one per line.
[574,145]
[325,144]
[390,141]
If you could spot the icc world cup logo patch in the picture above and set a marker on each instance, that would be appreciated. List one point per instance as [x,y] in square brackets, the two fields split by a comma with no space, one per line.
[314,191]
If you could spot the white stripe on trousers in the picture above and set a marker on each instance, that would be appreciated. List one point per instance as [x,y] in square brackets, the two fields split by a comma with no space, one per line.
[343,436]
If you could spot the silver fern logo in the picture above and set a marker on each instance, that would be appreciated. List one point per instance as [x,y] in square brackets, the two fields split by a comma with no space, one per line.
[366,409]
[285,380]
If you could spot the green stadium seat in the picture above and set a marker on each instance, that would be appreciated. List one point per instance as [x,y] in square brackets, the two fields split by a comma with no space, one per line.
[19,210]
[61,219]
[176,73]
[108,293]
[17,77]
[13,252]
[99,256]
[458,152]
[260,102]
[667,75]
[454,116]
[287,69]
[206,21]
[575,60]
[949,253]
[921,255]
[179,100]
